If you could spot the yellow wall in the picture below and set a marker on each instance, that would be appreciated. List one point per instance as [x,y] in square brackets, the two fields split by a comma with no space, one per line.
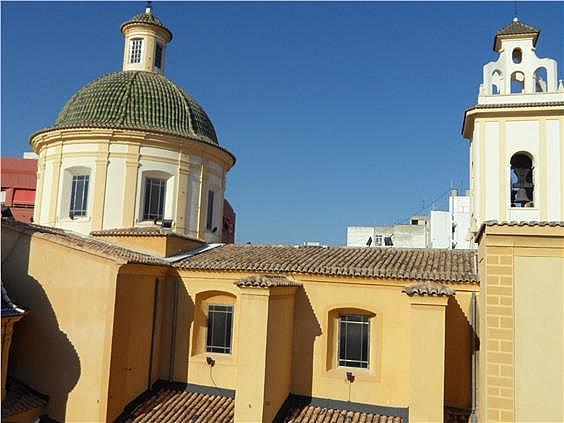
[314,368]
[99,316]
[133,335]
[63,347]
[278,371]
[539,339]
[426,382]
[163,246]
[521,360]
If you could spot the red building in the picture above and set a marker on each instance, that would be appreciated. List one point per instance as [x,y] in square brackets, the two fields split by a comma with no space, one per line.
[228,235]
[19,177]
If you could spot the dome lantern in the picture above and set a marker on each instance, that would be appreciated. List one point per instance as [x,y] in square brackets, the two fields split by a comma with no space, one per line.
[145,42]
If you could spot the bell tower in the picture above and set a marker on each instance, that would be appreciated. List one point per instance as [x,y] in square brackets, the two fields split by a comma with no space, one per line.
[145,42]
[516,134]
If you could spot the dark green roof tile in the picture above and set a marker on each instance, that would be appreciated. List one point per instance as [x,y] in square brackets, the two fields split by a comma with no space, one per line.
[137,100]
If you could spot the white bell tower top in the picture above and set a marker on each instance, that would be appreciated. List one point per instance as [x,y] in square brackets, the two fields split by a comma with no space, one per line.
[518,75]
[145,42]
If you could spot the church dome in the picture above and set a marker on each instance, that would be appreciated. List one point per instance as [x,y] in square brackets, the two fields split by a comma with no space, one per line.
[137,100]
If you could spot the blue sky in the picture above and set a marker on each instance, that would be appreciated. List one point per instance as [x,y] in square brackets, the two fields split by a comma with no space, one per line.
[338,113]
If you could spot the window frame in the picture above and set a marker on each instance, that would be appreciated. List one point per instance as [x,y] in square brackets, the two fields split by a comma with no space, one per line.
[229,314]
[134,52]
[82,211]
[158,46]
[148,215]
[364,320]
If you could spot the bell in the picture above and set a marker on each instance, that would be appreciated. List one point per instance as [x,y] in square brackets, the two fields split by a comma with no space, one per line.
[521,196]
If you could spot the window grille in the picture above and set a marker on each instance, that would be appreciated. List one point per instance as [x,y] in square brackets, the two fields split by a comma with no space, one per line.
[79,195]
[209,218]
[135,50]
[155,189]
[354,330]
[220,326]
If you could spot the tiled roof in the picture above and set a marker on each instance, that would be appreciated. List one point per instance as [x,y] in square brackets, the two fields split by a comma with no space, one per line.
[417,264]
[530,224]
[137,100]
[85,243]
[9,309]
[428,288]
[147,18]
[265,281]
[301,410]
[176,405]
[21,398]
[501,106]
[142,231]
[516,28]
[523,223]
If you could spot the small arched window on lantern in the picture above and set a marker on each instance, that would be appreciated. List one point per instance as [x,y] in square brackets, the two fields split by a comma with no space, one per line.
[522,186]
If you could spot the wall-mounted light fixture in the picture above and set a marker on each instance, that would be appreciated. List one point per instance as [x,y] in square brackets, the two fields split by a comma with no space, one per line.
[210,361]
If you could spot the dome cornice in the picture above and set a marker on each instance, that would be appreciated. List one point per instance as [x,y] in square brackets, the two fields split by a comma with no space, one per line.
[86,135]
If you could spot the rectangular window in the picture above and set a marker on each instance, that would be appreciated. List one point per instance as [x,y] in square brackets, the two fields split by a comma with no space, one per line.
[158,55]
[220,325]
[79,195]
[377,239]
[135,47]
[354,330]
[155,189]
[209,218]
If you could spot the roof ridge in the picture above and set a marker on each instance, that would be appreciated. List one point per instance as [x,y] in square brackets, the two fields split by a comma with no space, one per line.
[125,104]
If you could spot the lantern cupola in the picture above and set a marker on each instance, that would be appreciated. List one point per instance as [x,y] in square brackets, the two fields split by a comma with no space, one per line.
[146,39]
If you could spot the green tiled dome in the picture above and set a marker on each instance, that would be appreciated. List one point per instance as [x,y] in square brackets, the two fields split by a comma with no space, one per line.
[137,100]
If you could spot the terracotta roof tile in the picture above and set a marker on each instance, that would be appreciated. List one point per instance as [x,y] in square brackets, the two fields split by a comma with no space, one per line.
[300,410]
[21,398]
[417,264]
[428,288]
[85,243]
[530,224]
[523,223]
[265,281]
[142,231]
[169,404]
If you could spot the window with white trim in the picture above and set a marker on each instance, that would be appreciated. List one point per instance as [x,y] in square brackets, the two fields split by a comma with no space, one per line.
[79,196]
[135,50]
[154,199]
[220,326]
[354,340]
